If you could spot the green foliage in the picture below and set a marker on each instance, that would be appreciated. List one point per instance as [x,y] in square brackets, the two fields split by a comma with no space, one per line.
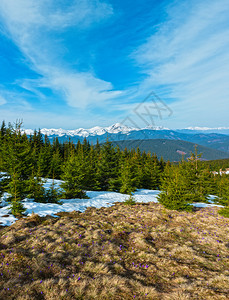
[185,184]
[168,149]
[53,195]
[223,189]
[224,212]
[17,208]
[16,189]
[127,177]
[107,166]
[216,165]
[73,177]
[151,173]
[36,189]
[130,201]
[175,193]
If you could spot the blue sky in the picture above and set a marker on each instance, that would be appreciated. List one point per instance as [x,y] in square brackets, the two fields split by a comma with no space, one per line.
[84,63]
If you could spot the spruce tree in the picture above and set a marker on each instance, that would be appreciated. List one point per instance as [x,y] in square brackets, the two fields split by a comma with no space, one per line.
[223,190]
[36,187]
[151,173]
[17,161]
[73,177]
[52,194]
[128,179]
[55,164]
[90,169]
[175,193]
[16,190]
[107,163]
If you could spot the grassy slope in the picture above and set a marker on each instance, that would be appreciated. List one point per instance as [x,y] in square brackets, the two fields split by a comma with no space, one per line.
[168,148]
[121,252]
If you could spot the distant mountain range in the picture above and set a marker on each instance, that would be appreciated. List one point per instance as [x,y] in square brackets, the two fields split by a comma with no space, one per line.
[172,150]
[123,129]
[208,137]
[194,130]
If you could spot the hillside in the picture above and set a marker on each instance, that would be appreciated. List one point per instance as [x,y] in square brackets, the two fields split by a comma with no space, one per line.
[122,252]
[171,149]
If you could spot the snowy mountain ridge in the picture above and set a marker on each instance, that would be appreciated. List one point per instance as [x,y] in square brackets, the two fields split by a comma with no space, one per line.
[94,131]
[206,128]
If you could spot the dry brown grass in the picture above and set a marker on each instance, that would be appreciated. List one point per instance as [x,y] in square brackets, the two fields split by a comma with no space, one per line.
[121,252]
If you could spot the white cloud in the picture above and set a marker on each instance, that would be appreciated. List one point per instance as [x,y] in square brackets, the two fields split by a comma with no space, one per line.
[82,89]
[2,100]
[52,14]
[32,25]
[189,56]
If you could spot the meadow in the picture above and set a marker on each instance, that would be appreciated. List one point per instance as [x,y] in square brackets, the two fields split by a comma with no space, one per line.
[141,251]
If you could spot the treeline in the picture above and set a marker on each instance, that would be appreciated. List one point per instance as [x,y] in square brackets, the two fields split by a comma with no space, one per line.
[216,165]
[27,160]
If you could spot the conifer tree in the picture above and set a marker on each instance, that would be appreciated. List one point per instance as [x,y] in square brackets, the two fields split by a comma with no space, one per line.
[128,179]
[17,161]
[73,178]
[36,187]
[55,164]
[107,162]
[223,189]
[175,193]
[53,195]
[199,177]
[90,169]
[151,173]
[45,158]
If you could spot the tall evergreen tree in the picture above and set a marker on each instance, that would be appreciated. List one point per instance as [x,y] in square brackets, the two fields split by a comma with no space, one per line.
[73,177]
[128,179]
[17,161]
[223,189]
[151,173]
[175,191]
[107,162]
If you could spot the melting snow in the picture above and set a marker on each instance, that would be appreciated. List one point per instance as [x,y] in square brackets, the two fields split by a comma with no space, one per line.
[97,199]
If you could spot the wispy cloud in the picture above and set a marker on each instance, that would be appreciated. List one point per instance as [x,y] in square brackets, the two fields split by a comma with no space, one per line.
[188,55]
[33,26]
[2,100]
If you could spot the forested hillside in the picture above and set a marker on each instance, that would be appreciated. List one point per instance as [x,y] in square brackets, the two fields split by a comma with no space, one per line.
[216,165]
[172,150]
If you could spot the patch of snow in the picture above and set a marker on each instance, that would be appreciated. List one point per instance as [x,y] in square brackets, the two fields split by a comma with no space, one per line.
[96,199]
[205,205]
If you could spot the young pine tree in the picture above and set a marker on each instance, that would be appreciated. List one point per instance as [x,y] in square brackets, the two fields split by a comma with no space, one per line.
[128,179]
[223,190]
[107,166]
[53,195]
[151,173]
[16,190]
[73,177]
[36,187]
[175,193]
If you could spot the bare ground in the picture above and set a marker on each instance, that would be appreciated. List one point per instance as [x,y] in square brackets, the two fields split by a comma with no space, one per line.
[142,251]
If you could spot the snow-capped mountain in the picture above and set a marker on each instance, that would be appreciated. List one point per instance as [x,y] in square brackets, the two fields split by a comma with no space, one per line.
[194,130]
[118,132]
[207,128]
[94,131]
